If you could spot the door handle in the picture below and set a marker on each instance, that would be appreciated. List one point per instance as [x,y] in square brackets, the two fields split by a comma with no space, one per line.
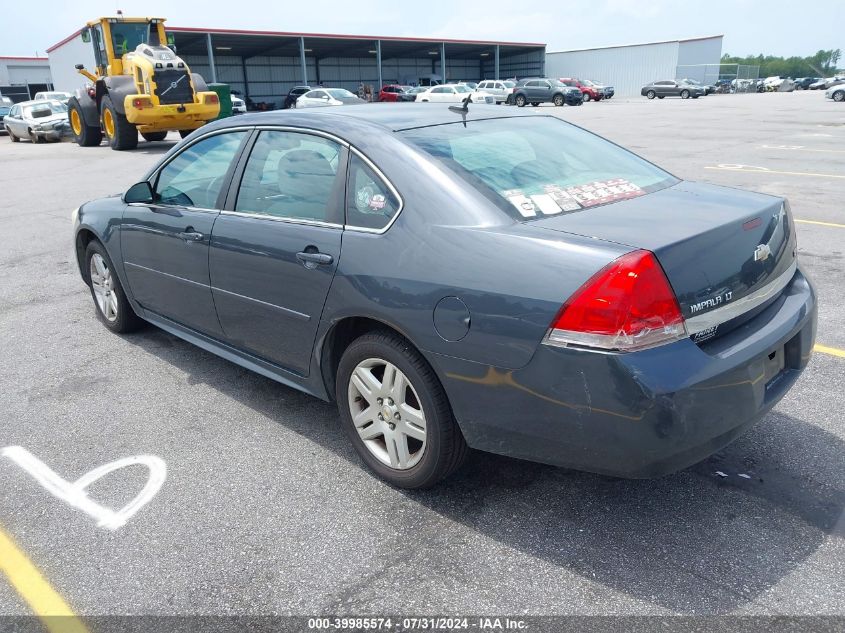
[312,260]
[190,235]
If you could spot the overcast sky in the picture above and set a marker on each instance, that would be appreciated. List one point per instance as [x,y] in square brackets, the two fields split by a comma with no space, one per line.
[774,27]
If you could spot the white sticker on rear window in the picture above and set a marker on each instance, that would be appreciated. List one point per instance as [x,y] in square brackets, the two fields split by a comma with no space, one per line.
[562,199]
[522,203]
[546,204]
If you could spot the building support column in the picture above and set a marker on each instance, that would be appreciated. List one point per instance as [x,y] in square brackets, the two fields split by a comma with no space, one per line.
[496,71]
[302,63]
[210,48]
[443,62]
[378,63]
[246,78]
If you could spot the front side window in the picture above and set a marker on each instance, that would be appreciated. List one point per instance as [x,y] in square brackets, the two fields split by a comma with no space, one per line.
[370,203]
[536,166]
[291,175]
[197,175]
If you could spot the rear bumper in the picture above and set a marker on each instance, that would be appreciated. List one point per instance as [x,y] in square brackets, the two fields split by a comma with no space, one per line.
[186,116]
[641,414]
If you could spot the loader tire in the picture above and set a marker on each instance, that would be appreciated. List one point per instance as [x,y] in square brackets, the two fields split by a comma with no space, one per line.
[84,135]
[120,133]
[151,137]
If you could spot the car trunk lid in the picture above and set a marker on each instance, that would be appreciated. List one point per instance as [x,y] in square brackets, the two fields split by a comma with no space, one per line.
[718,246]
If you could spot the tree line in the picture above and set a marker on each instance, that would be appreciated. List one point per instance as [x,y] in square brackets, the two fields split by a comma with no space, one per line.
[822,64]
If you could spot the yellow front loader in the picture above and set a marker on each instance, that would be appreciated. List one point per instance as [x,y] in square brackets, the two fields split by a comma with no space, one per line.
[139,85]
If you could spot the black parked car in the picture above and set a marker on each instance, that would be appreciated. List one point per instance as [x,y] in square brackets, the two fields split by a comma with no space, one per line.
[671,88]
[295,93]
[803,83]
[538,90]
[4,110]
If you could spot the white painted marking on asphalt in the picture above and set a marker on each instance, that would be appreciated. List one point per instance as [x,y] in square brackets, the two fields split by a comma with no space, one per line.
[738,167]
[74,493]
[804,148]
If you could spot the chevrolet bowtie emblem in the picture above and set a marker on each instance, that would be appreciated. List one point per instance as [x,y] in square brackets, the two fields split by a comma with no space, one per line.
[762,252]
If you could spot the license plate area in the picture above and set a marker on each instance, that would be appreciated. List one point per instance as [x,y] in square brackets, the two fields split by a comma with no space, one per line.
[773,365]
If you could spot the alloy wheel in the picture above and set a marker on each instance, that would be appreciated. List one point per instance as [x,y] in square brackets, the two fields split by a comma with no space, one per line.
[102,282]
[387,413]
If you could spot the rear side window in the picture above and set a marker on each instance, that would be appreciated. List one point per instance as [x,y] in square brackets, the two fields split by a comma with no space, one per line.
[534,166]
[370,202]
[291,175]
[195,177]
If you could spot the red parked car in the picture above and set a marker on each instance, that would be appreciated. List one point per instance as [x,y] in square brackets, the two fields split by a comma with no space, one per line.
[589,91]
[391,92]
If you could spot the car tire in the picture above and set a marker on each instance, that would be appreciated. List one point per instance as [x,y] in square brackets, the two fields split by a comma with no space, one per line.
[660,96]
[432,451]
[535,104]
[184,133]
[84,135]
[587,97]
[12,136]
[520,101]
[558,100]
[110,300]
[651,94]
[152,137]
[839,96]
[120,133]
[684,94]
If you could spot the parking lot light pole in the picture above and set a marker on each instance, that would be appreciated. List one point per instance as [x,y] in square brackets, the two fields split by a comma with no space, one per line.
[211,58]
[496,64]
[302,61]
[378,63]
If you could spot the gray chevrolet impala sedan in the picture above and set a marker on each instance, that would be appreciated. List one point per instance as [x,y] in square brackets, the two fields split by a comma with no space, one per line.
[506,282]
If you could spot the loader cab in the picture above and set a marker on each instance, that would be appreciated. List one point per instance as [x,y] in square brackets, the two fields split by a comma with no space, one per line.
[112,38]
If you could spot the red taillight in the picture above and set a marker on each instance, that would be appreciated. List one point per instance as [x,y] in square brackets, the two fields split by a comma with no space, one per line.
[627,305]
[212,99]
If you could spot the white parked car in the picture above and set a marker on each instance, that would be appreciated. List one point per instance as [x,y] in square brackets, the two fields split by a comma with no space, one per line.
[64,97]
[37,120]
[453,93]
[830,82]
[238,105]
[501,89]
[837,92]
[327,97]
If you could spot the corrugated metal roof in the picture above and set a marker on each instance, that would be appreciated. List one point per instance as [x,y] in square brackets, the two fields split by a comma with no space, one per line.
[597,48]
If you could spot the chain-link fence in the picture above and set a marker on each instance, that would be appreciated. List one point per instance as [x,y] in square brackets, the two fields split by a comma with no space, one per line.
[726,78]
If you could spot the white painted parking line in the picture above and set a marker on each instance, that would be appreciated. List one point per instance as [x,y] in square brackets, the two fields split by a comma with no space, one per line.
[73,493]
[764,170]
[804,148]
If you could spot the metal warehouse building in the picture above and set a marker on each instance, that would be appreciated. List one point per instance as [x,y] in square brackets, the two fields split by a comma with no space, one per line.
[629,68]
[22,77]
[265,65]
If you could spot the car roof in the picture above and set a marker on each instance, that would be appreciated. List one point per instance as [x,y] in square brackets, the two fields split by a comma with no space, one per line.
[39,102]
[372,116]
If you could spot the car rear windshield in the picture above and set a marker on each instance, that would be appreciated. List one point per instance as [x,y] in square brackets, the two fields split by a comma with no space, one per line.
[539,165]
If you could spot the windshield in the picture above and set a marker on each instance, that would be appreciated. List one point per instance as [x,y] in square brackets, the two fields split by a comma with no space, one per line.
[510,84]
[127,35]
[44,109]
[533,166]
[340,93]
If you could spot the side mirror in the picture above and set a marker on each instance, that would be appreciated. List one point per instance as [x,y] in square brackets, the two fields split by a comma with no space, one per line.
[139,193]
[86,35]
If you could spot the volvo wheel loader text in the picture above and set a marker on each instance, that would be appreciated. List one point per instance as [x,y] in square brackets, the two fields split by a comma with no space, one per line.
[139,85]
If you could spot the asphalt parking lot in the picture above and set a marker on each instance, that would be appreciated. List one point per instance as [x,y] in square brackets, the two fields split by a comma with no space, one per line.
[266,508]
